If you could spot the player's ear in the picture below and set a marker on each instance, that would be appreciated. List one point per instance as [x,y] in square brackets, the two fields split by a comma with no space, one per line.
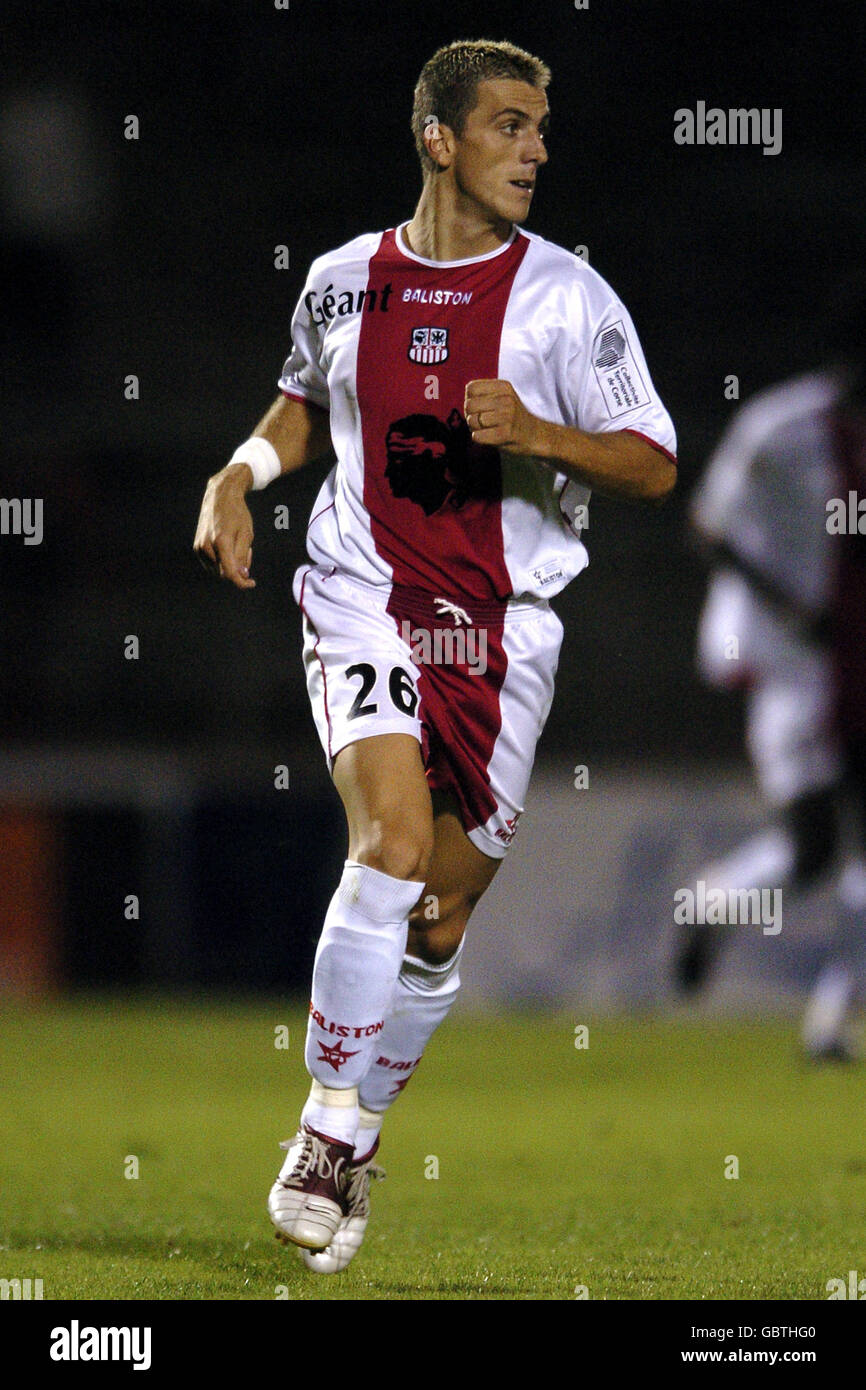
[438,142]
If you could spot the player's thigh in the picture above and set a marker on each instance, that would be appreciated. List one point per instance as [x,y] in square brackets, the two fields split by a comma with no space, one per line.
[388,808]
[458,876]
[363,689]
[789,731]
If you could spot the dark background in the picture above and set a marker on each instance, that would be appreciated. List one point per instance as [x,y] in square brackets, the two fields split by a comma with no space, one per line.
[155,256]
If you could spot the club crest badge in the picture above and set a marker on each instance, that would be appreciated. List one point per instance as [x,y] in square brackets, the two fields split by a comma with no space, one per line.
[428,345]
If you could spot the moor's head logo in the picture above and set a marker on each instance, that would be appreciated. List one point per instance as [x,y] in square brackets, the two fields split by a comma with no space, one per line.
[434,462]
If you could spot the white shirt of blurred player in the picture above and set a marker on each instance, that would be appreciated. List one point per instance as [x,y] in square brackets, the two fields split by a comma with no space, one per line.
[764,495]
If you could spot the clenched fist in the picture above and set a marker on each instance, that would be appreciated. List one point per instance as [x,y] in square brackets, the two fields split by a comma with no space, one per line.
[496,415]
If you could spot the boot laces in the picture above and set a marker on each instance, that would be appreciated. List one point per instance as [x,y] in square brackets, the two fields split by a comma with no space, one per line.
[313,1159]
[358,1187]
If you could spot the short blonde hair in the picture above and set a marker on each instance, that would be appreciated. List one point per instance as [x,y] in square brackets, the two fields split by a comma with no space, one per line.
[448,85]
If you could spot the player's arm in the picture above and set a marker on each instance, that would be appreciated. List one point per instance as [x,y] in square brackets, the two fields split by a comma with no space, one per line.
[299,433]
[808,624]
[618,463]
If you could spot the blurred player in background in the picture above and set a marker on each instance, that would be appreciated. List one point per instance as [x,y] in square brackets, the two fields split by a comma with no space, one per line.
[785,620]
[476,383]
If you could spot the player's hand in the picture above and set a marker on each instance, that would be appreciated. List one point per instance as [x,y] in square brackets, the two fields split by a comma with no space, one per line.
[224,536]
[496,415]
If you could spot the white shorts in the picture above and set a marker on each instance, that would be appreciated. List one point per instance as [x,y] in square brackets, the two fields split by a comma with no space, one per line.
[472,682]
[790,701]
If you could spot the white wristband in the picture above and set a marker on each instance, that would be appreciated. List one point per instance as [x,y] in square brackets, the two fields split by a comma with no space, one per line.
[261,458]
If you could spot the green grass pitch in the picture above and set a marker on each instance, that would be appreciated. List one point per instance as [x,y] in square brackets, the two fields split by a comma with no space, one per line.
[560,1169]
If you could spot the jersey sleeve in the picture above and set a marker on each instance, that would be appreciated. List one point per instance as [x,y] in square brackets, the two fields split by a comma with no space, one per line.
[610,381]
[303,375]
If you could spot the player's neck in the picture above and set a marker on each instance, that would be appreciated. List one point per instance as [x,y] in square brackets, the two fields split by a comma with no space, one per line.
[442,230]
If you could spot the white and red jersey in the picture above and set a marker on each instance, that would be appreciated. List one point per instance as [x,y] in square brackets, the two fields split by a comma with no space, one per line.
[764,500]
[764,491]
[387,341]
[762,497]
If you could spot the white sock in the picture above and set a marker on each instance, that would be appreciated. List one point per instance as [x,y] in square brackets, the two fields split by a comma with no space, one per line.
[356,967]
[332,1113]
[828,1004]
[765,861]
[422,998]
[824,1021]
[369,1125]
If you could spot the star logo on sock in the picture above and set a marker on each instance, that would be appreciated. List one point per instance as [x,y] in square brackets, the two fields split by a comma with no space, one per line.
[398,1086]
[334,1056]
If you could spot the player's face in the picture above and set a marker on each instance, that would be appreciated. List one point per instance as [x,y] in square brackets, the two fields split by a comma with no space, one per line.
[502,148]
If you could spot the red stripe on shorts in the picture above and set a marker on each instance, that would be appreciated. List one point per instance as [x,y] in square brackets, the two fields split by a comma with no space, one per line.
[460,712]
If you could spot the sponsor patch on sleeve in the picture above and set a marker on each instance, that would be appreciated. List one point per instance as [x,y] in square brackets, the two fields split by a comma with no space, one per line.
[616,371]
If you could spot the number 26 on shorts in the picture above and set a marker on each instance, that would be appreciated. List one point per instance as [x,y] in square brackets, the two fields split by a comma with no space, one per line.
[401,689]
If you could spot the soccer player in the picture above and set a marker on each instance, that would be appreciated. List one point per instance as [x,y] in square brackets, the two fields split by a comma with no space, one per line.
[476,383]
[788,588]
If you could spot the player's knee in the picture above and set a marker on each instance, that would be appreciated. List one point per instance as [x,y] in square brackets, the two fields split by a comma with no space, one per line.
[814,823]
[399,851]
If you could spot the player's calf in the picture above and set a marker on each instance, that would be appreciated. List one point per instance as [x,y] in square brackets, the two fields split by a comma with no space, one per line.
[357,962]
[436,927]
[814,823]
